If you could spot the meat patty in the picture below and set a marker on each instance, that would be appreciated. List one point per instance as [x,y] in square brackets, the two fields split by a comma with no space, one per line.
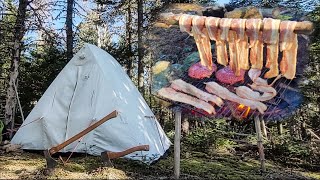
[197,71]
[227,76]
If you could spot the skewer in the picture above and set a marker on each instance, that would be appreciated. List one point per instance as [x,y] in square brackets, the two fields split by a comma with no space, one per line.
[172,20]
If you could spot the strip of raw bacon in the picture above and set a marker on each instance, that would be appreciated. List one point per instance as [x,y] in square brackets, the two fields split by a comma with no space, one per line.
[201,37]
[268,91]
[256,42]
[271,38]
[254,76]
[225,24]
[247,93]
[212,25]
[181,85]
[233,62]
[289,46]
[224,93]
[239,25]
[173,95]
[261,85]
[185,22]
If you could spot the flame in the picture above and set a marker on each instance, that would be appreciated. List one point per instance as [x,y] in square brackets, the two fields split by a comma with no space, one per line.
[242,108]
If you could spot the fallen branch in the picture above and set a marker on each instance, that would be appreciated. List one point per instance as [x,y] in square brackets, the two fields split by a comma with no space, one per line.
[313,134]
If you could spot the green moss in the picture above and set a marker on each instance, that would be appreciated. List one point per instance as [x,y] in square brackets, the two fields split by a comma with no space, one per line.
[72,167]
[315,175]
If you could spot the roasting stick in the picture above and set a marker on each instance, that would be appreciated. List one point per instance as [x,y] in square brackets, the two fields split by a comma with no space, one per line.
[303,27]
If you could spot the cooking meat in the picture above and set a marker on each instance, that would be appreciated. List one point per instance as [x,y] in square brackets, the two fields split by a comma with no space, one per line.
[256,42]
[271,38]
[289,47]
[202,39]
[233,62]
[227,76]
[185,22]
[173,95]
[239,25]
[254,76]
[181,85]
[259,84]
[212,24]
[247,93]
[268,91]
[224,93]
[225,24]
[197,71]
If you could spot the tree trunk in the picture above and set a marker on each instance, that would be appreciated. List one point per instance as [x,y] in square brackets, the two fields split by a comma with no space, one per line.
[19,31]
[129,40]
[140,48]
[69,31]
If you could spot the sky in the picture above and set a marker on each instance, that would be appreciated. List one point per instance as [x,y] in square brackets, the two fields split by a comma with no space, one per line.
[86,5]
[221,2]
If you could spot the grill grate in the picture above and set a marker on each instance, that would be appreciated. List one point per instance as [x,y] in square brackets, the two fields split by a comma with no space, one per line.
[229,109]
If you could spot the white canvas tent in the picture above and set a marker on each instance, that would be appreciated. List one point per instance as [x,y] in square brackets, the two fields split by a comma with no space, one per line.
[92,85]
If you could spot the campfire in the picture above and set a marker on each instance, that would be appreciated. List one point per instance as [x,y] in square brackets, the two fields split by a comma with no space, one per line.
[243,110]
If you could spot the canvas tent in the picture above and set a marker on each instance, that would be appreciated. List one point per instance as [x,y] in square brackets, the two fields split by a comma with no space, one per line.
[92,85]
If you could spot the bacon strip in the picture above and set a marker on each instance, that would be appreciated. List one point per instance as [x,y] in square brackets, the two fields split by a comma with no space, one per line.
[247,93]
[225,24]
[224,93]
[181,85]
[256,42]
[289,46]
[254,76]
[212,24]
[201,37]
[173,95]
[185,22]
[233,62]
[271,38]
[268,91]
[239,26]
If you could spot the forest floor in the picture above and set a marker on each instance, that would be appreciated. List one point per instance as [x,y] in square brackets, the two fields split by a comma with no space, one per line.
[194,165]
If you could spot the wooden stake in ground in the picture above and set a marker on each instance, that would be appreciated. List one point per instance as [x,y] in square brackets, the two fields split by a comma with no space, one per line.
[264,128]
[260,143]
[177,137]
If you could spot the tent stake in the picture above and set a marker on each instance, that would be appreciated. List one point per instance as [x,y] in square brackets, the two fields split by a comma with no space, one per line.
[260,143]
[177,136]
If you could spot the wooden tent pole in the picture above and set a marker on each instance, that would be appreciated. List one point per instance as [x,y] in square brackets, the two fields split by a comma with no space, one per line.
[303,27]
[177,137]
[260,143]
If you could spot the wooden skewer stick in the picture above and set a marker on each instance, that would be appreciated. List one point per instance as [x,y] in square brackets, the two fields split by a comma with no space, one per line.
[303,27]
